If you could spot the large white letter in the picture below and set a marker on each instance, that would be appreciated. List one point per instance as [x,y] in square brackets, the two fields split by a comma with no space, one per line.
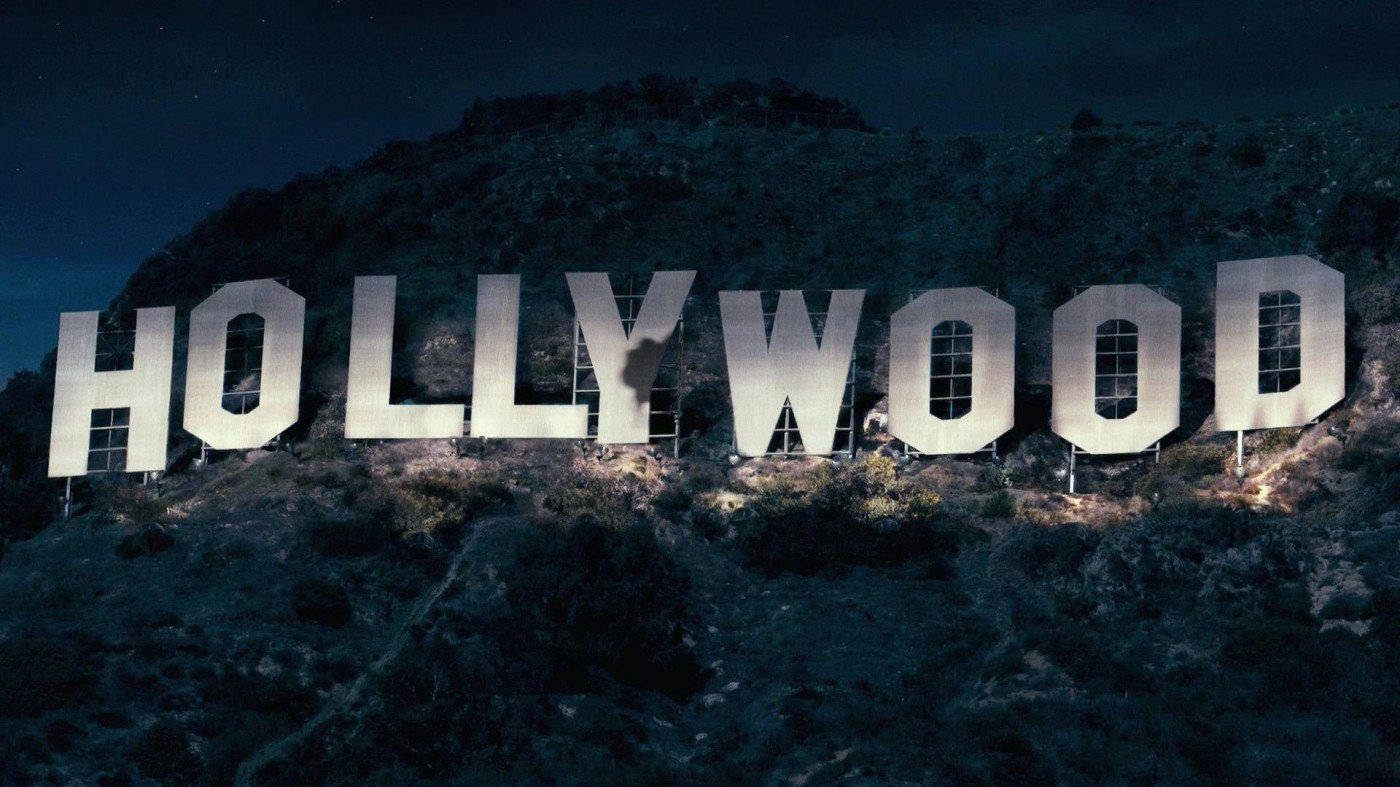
[368,414]
[283,313]
[1280,342]
[790,366]
[1116,362]
[494,411]
[78,389]
[963,399]
[626,361]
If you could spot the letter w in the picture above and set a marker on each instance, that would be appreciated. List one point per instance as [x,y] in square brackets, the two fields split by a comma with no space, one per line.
[792,366]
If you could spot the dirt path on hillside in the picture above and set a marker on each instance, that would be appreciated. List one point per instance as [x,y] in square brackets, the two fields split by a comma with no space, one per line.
[271,752]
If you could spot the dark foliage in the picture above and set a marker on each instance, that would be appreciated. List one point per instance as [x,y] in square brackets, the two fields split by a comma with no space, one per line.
[28,500]
[594,596]
[1044,552]
[364,531]
[147,539]
[440,697]
[41,672]
[831,524]
[321,601]
[969,153]
[27,506]
[661,188]
[164,751]
[1270,696]
[1000,505]
[1247,152]
[1361,220]
[1373,455]
[1085,120]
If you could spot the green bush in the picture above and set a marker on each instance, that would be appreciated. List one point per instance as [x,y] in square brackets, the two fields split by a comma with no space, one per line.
[1372,454]
[242,690]
[969,153]
[1000,504]
[442,707]
[683,488]
[1085,120]
[993,477]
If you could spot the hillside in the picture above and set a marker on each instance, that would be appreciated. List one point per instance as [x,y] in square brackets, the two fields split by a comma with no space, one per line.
[532,611]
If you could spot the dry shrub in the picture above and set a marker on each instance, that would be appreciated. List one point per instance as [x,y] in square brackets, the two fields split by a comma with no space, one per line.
[612,501]
[441,502]
[130,504]
[839,516]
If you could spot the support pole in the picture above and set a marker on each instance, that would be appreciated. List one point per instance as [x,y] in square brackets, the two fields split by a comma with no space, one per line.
[1239,453]
[1071,468]
[68,497]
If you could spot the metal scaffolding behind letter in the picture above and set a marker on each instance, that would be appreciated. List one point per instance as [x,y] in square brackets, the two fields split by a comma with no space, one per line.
[787,439]
[664,422]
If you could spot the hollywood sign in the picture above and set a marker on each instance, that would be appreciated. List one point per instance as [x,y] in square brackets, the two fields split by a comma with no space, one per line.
[1116,354]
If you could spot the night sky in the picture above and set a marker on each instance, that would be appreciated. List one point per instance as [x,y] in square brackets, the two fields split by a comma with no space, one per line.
[122,126]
